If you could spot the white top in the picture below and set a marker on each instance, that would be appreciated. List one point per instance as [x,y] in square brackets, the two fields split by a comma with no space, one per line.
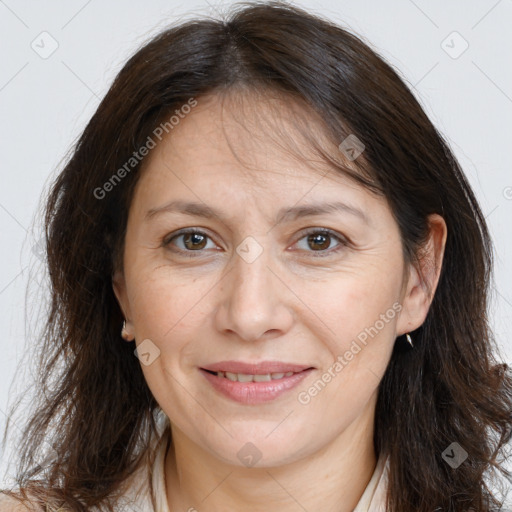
[138,499]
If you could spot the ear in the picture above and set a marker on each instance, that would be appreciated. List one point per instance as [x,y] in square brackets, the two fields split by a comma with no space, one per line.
[119,287]
[422,282]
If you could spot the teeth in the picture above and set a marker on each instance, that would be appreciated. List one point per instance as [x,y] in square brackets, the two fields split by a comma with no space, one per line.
[243,377]
[261,378]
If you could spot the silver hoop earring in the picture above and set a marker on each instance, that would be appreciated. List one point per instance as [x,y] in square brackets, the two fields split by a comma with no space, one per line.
[124,332]
[409,339]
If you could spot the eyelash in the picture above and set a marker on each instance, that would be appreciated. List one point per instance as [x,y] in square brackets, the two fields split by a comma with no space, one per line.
[324,231]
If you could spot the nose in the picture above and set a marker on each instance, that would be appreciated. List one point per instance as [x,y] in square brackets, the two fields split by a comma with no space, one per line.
[255,301]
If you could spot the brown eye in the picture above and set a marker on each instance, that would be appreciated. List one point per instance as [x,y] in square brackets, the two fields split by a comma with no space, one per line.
[194,241]
[188,242]
[319,241]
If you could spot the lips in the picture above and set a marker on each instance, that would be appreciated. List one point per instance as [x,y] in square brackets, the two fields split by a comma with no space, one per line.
[257,388]
[262,368]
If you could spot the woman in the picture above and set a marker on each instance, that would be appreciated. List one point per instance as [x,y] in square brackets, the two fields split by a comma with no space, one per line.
[299,270]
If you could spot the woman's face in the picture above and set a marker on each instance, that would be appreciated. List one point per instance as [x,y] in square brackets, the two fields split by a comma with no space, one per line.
[262,282]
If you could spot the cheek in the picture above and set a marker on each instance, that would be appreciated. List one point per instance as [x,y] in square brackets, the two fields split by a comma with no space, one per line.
[169,311]
[353,303]
[357,317]
[170,315]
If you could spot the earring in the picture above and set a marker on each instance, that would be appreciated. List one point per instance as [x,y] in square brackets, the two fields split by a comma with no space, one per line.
[409,339]
[124,332]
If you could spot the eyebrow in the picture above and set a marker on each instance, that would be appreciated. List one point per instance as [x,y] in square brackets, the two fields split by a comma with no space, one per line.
[283,215]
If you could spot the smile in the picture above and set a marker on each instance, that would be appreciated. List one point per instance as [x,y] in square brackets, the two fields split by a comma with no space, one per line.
[244,377]
[253,389]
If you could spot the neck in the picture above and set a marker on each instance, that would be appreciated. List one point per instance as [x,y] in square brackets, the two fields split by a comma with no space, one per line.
[332,479]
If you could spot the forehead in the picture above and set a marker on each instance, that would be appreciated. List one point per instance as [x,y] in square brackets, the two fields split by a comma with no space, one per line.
[243,152]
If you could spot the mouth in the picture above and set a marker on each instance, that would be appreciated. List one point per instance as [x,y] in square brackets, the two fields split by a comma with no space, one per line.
[251,384]
[248,377]
[250,368]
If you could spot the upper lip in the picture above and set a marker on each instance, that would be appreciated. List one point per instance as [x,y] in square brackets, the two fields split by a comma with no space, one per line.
[261,368]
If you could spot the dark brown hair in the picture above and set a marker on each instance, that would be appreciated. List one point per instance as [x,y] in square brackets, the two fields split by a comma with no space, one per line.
[91,390]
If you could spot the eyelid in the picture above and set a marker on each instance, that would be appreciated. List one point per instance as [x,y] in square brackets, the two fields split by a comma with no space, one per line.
[343,240]
[186,231]
[335,234]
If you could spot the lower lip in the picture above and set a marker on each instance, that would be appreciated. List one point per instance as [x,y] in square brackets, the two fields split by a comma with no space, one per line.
[252,393]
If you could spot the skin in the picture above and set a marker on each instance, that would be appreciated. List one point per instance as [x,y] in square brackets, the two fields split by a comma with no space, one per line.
[289,304]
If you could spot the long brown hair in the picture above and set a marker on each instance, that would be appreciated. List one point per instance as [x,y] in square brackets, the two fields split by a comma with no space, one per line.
[91,390]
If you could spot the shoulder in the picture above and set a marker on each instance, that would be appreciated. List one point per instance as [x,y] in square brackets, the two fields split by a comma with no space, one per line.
[10,504]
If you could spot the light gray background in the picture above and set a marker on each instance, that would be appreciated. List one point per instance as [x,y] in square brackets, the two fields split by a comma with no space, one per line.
[45,103]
